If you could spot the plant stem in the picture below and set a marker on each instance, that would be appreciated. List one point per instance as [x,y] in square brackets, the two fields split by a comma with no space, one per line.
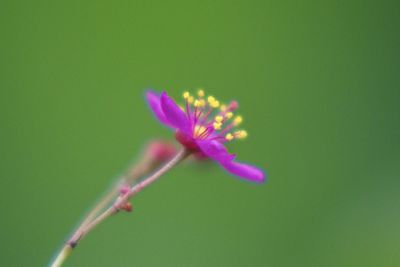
[90,222]
[143,167]
[119,202]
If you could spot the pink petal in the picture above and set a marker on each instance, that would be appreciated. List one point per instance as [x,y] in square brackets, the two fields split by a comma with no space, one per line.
[153,99]
[214,150]
[174,114]
[245,171]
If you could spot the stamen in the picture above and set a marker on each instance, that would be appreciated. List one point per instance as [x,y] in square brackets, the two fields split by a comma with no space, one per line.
[237,120]
[199,130]
[233,105]
[206,133]
[217,125]
[219,118]
[229,137]
[229,115]
[214,104]
[187,108]
[205,116]
[227,128]
[241,134]
[199,103]
[204,124]
[195,116]
[200,93]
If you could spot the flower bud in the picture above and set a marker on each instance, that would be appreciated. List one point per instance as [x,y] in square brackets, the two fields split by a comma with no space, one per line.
[124,189]
[127,207]
[160,150]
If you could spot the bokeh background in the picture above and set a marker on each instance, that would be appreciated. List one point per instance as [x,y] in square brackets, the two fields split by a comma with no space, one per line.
[318,84]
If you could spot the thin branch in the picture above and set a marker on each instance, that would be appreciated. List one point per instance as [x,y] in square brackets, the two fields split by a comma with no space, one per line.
[91,221]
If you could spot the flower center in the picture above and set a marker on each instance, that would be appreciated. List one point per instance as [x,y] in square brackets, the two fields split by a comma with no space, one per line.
[212,120]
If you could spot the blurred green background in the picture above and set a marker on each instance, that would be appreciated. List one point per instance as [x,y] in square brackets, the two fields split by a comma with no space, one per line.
[318,84]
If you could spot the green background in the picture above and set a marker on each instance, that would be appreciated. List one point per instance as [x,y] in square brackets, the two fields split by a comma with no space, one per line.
[318,86]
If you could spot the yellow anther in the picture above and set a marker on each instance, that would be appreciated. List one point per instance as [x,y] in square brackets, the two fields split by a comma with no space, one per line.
[186,95]
[219,118]
[210,99]
[214,104]
[198,130]
[190,99]
[237,120]
[223,108]
[199,103]
[229,115]
[229,137]
[241,134]
[200,93]
[217,125]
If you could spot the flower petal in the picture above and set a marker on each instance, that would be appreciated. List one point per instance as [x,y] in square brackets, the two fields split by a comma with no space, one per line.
[215,150]
[245,171]
[153,99]
[174,114]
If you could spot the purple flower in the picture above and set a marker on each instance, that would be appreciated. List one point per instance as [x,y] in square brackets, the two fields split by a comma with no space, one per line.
[204,126]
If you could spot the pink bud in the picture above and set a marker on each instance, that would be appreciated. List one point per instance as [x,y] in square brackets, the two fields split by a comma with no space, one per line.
[127,207]
[124,189]
[161,150]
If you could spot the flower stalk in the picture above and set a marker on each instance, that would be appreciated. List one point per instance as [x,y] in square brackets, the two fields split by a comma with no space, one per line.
[93,219]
